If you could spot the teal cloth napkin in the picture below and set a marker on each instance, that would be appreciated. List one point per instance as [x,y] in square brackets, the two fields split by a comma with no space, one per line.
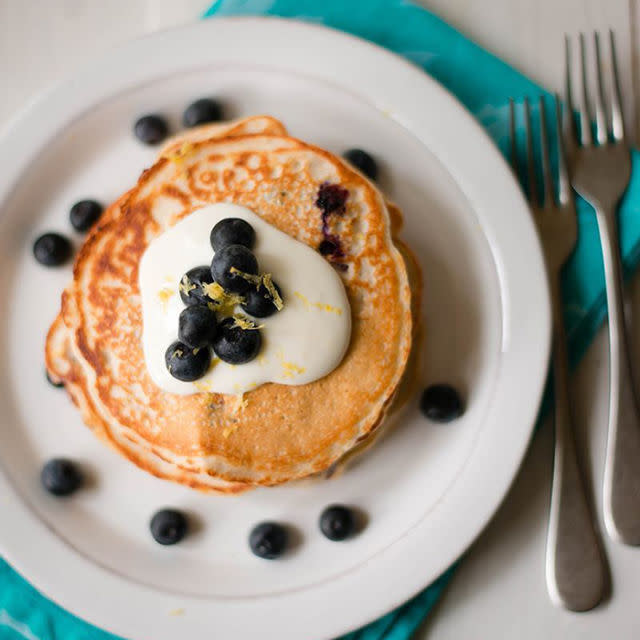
[484,84]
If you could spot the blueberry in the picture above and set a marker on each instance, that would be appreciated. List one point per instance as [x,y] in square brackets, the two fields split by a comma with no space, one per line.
[190,286]
[258,302]
[337,522]
[441,403]
[362,161]
[234,257]
[328,248]
[187,364]
[197,326]
[268,540]
[232,231]
[58,385]
[84,214]
[151,129]
[234,344]
[201,111]
[52,249]
[331,198]
[60,477]
[168,526]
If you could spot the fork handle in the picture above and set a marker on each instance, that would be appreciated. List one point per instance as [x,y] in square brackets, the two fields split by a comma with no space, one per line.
[621,487]
[575,569]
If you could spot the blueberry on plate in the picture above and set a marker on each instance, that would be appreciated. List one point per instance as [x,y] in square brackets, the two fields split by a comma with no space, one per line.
[187,364]
[362,161]
[202,111]
[268,540]
[197,326]
[441,403]
[236,345]
[58,385]
[84,214]
[190,286]
[259,302]
[232,231]
[60,477]
[151,129]
[231,266]
[52,249]
[337,522]
[168,526]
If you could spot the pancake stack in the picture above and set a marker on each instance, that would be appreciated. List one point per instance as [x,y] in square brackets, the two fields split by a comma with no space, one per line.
[275,433]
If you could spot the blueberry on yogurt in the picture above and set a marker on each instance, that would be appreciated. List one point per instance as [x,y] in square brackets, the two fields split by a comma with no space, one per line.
[187,364]
[197,326]
[232,231]
[260,301]
[235,268]
[235,344]
[190,287]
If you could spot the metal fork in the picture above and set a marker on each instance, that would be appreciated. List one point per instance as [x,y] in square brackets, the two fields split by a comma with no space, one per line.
[575,568]
[601,173]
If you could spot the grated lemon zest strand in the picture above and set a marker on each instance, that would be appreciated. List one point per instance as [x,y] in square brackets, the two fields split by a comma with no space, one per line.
[322,306]
[164,295]
[245,323]
[186,285]
[250,277]
[267,281]
[224,302]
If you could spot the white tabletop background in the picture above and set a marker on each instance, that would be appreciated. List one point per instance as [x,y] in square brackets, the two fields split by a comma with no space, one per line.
[499,589]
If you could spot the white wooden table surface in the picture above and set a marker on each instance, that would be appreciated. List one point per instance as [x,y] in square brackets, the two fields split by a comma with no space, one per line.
[499,590]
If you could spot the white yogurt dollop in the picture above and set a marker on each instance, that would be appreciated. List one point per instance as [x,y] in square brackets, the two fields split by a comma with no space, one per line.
[303,342]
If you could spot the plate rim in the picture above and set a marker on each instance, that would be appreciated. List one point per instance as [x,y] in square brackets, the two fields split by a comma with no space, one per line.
[54,567]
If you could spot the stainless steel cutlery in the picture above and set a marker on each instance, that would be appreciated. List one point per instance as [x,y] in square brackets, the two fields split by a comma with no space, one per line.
[596,161]
[601,169]
[575,569]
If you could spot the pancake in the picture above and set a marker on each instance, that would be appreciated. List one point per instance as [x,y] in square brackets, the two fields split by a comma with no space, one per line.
[252,125]
[175,146]
[276,433]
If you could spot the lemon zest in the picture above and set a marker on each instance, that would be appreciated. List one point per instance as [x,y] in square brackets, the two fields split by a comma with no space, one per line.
[205,387]
[322,306]
[250,277]
[290,369]
[164,295]
[245,323]
[177,155]
[186,285]
[227,431]
[267,282]
[224,302]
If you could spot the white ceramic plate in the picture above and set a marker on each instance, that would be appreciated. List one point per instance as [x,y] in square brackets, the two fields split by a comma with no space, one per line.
[427,490]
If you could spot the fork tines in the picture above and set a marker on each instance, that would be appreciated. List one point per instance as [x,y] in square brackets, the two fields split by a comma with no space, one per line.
[608,126]
[564,188]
